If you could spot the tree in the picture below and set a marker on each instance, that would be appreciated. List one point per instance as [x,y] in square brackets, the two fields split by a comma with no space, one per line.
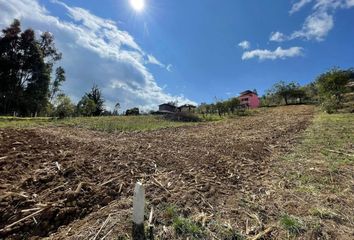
[96,96]
[202,108]
[311,92]
[65,108]
[286,91]
[173,103]
[221,107]
[233,104]
[116,109]
[91,104]
[132,111]
[58,81]
[298,94]
[25,68]
[86,106]
[332,85]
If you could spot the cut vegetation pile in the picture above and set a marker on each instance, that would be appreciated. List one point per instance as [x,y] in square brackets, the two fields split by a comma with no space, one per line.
[212,180]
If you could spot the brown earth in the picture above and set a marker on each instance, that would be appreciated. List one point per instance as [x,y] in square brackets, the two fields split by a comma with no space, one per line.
[72,179]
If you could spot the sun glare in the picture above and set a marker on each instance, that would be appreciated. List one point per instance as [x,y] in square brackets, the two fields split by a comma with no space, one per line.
[138,5]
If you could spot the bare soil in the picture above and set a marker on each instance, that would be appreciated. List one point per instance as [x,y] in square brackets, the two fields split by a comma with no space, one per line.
[73,179]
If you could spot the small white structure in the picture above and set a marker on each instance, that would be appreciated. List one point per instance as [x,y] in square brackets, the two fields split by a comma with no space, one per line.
[138,212]
[138,203]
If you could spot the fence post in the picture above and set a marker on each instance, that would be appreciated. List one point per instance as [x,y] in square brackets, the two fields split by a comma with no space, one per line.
[138,212]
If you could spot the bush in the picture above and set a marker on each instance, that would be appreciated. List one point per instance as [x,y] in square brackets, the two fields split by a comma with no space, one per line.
[65,108]
[242,112]
[330,105]
[132,112]
[183,117]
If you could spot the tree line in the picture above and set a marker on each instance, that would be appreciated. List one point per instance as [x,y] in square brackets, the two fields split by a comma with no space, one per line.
[220,107]
[328,90]
[91,104]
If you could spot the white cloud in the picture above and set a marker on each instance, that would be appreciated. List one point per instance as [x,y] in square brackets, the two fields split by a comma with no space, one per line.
[95,50]
[298,5]
[320,22]
[316,26]
[277,37]
[244,44]
[349,3]
[169,67]
[152,60]
[278,53]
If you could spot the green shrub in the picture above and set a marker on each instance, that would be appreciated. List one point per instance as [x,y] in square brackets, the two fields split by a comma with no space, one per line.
[330,105]
[183,117]
[65,108]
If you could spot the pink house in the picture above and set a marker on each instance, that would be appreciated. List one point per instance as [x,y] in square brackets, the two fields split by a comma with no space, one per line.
[249,99]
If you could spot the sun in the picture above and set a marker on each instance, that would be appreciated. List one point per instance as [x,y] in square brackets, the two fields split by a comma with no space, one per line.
[138,5]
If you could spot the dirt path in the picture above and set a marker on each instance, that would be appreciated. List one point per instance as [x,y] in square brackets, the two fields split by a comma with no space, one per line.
[212,170]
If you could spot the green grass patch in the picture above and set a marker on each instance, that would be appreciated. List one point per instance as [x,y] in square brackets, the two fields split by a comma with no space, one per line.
[122,123]
[324,213]
[16,122]
[211,117]
[187,228]
[319,171]
[329,131]
[171,211]
[331,134]
[184,227]
[291,224]
[107,124]
[325,149]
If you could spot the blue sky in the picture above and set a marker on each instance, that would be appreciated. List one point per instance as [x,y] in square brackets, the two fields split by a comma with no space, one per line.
[189,50]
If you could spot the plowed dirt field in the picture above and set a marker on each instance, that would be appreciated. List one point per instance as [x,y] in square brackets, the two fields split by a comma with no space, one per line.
[69,180]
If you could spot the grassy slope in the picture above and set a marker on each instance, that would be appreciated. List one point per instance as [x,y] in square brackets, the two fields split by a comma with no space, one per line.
[319,180]
[108,124]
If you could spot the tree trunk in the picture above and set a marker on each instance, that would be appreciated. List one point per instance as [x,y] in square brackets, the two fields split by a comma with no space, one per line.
[286,100]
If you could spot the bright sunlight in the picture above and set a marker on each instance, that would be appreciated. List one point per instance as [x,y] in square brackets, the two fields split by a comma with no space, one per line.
[138,5]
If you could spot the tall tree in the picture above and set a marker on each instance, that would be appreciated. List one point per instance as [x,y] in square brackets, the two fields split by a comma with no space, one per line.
[116,108]
[9,67]
[92,103]
[58,81]
[96,96]
[25,67]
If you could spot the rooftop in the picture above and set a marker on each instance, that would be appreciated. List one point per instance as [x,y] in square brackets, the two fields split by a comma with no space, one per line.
[247,92]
